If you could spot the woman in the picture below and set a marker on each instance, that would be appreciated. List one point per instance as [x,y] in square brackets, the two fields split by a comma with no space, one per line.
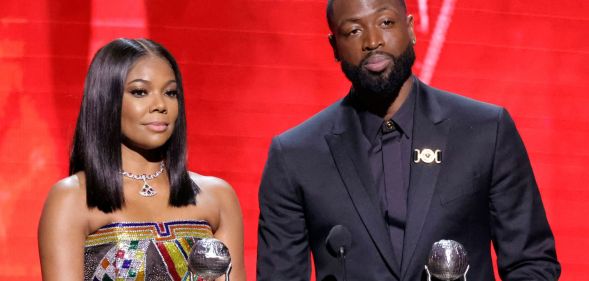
[130,210]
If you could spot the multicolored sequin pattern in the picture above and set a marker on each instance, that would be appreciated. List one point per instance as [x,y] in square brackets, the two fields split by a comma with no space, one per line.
[127,259]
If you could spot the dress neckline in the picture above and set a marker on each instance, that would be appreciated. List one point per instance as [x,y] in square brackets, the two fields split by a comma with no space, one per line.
[168,222]
[160,231]
[160,225]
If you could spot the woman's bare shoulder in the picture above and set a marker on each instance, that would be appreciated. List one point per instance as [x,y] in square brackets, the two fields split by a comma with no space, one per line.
[64,218]
[216,187]
[209,182]
[68,188]
[66,202]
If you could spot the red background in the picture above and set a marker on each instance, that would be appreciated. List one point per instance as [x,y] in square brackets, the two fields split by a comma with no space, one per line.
[255,68]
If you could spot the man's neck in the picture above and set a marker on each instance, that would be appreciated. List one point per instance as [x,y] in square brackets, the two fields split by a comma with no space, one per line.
[398,102]
[381,105]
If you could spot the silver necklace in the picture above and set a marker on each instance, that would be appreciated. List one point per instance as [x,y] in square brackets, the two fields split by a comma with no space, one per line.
[146,190]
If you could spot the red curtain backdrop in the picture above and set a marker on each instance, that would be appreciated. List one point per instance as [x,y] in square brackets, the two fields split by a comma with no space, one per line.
[254,68]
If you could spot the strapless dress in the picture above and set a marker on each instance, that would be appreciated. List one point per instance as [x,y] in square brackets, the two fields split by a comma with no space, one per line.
[142,250]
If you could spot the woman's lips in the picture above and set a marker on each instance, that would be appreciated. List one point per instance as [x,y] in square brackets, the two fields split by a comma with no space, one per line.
[377,63]
[157,126]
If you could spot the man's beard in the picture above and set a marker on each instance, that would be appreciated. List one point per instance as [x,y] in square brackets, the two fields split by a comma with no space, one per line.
[383,86]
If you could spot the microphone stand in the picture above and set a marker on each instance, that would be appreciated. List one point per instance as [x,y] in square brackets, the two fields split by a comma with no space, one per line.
[342,255]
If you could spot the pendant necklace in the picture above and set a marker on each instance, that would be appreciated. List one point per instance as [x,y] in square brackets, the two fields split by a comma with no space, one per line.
[146,190]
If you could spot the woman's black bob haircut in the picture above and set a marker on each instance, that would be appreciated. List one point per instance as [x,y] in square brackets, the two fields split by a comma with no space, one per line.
[97,141]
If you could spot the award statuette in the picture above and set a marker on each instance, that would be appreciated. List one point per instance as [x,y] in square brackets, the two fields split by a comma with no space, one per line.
[447,261]
[209,258]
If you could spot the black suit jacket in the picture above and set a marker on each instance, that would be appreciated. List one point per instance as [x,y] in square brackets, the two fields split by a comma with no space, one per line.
[316,176]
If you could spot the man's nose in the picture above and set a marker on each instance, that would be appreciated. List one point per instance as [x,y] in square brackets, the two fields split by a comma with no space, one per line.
[372,39]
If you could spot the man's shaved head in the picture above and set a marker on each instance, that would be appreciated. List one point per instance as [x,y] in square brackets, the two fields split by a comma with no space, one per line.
[329,11]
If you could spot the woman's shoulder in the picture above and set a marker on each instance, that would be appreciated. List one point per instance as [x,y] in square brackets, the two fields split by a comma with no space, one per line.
[69,188]
[213,186]
[209,182]
[218,195]
[65,205]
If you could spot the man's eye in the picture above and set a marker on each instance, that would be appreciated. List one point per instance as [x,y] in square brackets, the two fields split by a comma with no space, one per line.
[354,32]
[138,92]
[388,22]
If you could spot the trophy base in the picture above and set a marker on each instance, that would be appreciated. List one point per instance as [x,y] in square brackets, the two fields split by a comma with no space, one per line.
[195,277]
[462,278]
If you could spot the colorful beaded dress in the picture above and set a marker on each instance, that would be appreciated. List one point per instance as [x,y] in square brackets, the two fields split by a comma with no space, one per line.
[142,250]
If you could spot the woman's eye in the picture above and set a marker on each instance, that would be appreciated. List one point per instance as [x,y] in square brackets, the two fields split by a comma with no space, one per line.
[138,92]
[172,93]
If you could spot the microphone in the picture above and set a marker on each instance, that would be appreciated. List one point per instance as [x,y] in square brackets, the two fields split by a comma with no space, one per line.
[447,261]
[338,241]
[208,259]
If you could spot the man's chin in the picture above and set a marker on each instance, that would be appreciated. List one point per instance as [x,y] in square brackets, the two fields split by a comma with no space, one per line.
[375,83]
[383,75]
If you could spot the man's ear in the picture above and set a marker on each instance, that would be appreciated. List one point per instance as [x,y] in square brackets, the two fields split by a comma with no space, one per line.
[410,29]
[333,46]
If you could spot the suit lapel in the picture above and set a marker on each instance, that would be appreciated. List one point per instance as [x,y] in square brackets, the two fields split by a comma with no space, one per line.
[352,163]
[430,130]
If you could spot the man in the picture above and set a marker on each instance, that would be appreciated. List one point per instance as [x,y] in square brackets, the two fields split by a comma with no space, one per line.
[400,165]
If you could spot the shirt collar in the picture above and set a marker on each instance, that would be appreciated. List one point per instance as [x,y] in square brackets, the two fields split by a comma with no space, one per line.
[403,119]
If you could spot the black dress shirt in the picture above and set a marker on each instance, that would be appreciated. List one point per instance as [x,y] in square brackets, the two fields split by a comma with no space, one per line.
[388,146]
